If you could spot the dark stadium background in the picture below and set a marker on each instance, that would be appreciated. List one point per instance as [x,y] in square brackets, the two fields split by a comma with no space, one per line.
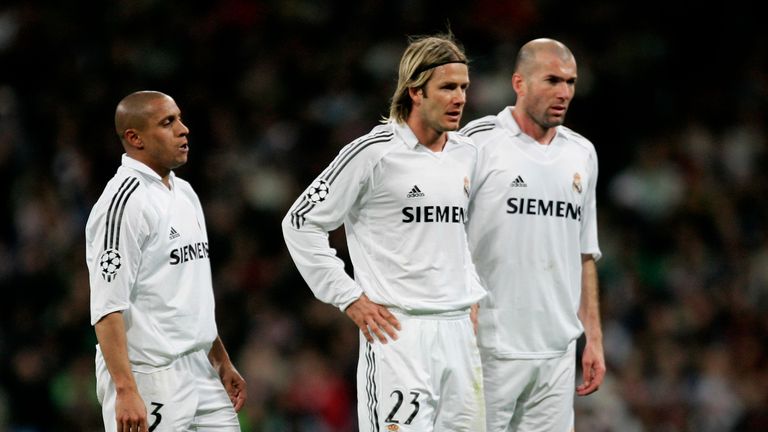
[673,97]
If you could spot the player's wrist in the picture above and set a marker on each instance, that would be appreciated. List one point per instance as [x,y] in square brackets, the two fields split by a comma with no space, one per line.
[595,340]
[127,388]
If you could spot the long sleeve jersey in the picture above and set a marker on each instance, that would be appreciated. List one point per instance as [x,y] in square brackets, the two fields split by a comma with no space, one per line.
[404,210]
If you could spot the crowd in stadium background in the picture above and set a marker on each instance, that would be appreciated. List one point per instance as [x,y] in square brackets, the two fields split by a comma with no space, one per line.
[272,89]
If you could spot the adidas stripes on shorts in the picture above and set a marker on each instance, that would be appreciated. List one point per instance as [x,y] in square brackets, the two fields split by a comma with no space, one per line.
[428,380]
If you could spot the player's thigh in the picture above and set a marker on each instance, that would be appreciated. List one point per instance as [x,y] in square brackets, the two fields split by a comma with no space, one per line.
[395,392]
[506,384]
[168,398]
[105,393]
[204,428]
[215,411]
[549,407]
[462,406]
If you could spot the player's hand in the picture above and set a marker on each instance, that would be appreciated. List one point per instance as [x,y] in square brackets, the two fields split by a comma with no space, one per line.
[473,311]
[593,368]
[234,384]
[130,412]
[373,319]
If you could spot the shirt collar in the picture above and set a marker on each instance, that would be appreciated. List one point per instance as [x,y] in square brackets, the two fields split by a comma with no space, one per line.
[406,134]
[136,165]
[508,121]
[409,138]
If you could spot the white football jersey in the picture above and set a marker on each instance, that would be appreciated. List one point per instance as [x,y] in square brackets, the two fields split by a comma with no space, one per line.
[147,255]
[532,215]
[404,209]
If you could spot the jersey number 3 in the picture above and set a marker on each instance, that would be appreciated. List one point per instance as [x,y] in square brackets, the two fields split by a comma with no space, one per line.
[157,416]
[415,402]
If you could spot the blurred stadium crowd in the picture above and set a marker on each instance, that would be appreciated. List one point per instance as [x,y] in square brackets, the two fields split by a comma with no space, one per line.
[272,89]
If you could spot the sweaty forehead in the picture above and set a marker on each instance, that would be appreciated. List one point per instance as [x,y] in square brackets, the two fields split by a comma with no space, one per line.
[451,72]
[140,109]
[159,109]
[553,63]
[162,106]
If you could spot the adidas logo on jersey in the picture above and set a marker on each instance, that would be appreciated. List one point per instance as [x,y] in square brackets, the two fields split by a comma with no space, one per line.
[415,192]
[518,182]
[174,234]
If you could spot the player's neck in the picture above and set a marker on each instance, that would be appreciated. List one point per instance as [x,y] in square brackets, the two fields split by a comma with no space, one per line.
[528,126]
[159,169]
[428,137]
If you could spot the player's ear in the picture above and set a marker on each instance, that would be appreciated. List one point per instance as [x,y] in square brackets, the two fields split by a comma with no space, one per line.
[416,94]
[132,138]
[518,83]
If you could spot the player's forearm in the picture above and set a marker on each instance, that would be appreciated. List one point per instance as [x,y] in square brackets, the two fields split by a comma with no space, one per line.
[589,308]
[318,264]
[218,355]
[110,332]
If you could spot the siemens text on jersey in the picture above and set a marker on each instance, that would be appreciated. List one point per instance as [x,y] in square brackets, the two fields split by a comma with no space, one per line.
[534,206]
[189,252]
[444,214]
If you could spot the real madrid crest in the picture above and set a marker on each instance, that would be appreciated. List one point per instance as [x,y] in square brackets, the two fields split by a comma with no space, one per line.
[577,182]
[466,186]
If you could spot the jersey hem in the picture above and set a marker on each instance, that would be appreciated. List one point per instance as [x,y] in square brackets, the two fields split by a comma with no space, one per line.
[491,352]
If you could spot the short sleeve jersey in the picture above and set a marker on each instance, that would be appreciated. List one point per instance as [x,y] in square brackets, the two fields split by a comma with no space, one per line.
[532,215]
[404,209]
[147,255]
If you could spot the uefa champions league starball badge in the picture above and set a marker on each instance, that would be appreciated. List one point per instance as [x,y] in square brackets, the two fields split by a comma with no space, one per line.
[109,263]
[317,191]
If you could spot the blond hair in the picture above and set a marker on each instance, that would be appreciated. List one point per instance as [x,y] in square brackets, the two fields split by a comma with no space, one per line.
[423,55]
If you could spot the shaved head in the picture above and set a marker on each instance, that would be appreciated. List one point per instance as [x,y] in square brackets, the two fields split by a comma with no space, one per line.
[133,111]
[526,58]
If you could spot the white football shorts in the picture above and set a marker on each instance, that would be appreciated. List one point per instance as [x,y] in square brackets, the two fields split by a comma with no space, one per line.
[186,396]
[530,395]
[428,380]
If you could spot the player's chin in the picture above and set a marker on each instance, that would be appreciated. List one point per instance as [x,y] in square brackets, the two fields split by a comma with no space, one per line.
[557,118]
[452,124]
[180,160]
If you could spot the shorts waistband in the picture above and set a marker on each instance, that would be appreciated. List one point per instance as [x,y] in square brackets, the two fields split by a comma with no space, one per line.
[454,314]
[151,368]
